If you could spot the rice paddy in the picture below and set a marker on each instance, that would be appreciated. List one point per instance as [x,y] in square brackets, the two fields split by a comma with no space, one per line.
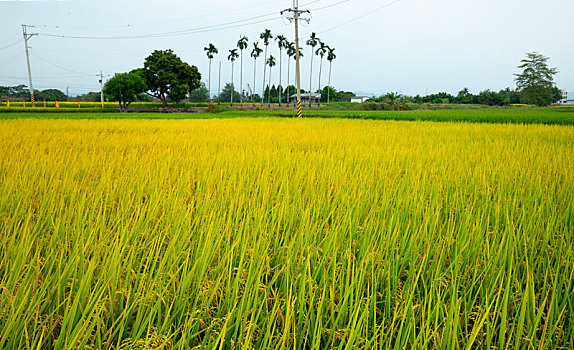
[272,233]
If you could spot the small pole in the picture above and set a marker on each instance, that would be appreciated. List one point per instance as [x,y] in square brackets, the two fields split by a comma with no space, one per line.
[102,87]
[219,89]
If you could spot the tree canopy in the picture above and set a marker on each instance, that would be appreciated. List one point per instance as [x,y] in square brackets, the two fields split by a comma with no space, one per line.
[166,75]
[536,82]
[199,95]
[125,87]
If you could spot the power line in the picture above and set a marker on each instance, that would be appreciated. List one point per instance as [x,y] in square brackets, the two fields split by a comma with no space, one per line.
[360,17]
[64,69]
[198,30]
[9,38]
[328,6]
[12,59]
[10,45]
[227,25]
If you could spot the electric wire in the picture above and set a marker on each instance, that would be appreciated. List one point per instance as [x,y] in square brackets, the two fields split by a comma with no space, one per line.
[198,30]
[10,45]
[62,68]
[360,17]
[331,5]
[12,59]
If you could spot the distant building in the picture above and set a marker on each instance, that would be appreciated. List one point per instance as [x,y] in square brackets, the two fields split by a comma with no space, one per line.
[360,99]
[315,98]
[565,100]
[564,96]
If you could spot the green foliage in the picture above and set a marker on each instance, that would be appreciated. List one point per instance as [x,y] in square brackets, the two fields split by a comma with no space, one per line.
[51,95]
[492,98]
[199,95]
[226,94]
[344,110]
[167,75]
[92,96]
[15,91]
[345,96]
[285,234]
[536,82]
[125,87]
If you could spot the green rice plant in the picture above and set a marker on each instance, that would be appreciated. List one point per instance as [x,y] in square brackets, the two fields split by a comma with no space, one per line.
[282,233]
[549,116]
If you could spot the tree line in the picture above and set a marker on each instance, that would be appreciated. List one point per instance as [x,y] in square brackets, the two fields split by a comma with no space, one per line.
[270,93]
[167,78]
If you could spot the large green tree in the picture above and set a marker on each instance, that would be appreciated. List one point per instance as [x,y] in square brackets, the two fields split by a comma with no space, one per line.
[125,87]
[536,82]
[167,75]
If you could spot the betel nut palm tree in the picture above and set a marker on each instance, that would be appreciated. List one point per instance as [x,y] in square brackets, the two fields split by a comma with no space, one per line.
[283,44]
[271,63]
[321,51]
[266,36]
[242,45]
[210,51]
[232,57]
[312,41]
[330,57]
[256,52]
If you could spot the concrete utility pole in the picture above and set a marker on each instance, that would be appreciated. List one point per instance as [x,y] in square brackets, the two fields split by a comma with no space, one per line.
[219,89]
[26,37]
[296,16]
[102,87]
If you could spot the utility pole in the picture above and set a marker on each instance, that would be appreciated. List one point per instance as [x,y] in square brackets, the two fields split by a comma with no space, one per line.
[26,38]
[219,89]
[102,88]
[296,16]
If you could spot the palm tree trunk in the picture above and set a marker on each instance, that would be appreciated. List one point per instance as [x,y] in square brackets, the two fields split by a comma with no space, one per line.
[311,78]
[264,71]
[241,79]
[254,73]
[209,88]
[232,87]
[329,88]
[269,98]
[280,71]
[320,70]
[288,72]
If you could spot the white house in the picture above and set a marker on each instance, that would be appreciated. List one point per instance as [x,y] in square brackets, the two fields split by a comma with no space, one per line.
[564,96]
[360,99]
[565,100]
[315,98]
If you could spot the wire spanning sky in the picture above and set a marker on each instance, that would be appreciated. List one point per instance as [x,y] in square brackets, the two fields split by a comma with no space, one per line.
[406,46]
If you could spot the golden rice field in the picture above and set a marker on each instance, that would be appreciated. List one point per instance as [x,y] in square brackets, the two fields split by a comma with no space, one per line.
[277,233]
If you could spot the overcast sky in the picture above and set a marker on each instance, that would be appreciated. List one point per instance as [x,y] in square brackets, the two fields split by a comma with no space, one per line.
[407,46]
